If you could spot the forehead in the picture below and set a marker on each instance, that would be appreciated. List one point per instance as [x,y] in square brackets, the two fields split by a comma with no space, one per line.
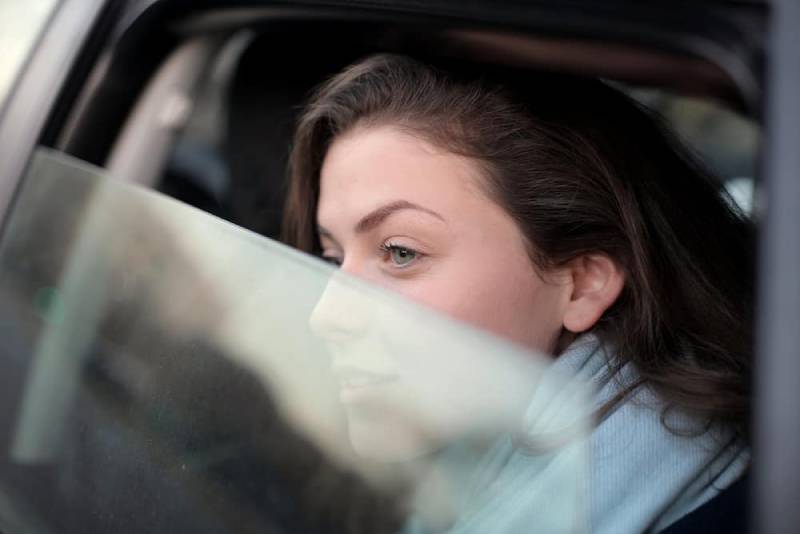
[369,167]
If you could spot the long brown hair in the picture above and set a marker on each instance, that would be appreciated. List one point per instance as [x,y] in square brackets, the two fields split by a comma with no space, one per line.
[582,169]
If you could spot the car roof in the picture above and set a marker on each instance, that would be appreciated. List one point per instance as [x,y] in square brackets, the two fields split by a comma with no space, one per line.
[717,46]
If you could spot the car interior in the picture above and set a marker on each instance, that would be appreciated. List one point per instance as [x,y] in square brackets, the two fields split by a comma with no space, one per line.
[240,88]
[198,101]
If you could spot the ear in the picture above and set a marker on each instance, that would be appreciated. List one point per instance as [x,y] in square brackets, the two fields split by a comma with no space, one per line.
[596,284]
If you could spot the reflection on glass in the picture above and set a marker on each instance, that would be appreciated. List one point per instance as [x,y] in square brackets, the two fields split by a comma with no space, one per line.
[177,373]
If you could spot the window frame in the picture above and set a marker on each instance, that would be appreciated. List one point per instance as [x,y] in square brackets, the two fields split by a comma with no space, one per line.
[29,104]
[776,468]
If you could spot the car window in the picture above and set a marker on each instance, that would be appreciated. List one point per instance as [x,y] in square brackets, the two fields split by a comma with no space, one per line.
[230,158]
[165,371]
[21,21]
[726,142]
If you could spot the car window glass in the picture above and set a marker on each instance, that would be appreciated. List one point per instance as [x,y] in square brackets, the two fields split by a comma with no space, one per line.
[164,371]
[20,25]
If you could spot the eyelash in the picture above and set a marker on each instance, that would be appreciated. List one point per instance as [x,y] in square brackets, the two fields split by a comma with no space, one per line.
[390,247]
[333,260]
[386,248]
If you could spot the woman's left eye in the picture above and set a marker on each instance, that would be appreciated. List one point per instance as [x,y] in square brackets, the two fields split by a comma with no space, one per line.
[399,255]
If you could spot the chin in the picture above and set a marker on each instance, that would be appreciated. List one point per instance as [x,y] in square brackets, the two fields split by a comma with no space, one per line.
[388,440]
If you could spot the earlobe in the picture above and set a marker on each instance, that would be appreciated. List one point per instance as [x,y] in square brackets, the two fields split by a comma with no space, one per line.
[597,282]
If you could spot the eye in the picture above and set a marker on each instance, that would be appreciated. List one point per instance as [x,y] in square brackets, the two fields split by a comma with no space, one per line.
[333,260]
[399,255]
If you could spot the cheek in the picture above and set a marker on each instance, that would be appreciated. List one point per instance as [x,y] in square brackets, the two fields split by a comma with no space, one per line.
[505,298]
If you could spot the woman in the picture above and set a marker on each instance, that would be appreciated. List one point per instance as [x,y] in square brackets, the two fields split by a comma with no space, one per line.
[558,214]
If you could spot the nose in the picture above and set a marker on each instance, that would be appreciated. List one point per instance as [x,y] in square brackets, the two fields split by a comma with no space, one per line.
[342,312]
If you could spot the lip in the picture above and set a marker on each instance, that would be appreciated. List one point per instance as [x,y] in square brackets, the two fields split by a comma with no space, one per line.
[357,384]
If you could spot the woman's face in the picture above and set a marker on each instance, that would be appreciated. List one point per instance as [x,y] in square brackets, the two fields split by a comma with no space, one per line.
[398,212]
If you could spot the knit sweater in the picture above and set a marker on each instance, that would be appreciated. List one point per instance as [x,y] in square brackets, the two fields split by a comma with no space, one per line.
[627,473]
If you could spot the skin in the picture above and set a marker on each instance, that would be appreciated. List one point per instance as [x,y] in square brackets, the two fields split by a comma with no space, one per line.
[398,212]
[443,233]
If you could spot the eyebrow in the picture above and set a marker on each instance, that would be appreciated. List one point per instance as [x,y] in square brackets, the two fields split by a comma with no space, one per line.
[377,216]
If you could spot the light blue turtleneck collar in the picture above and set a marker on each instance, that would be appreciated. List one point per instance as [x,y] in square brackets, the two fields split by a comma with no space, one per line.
[630,475]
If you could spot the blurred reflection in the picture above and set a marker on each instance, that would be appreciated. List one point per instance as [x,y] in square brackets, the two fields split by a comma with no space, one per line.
[172,372]
[409,390]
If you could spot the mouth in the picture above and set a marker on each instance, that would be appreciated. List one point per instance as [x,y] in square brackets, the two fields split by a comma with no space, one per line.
[357,383]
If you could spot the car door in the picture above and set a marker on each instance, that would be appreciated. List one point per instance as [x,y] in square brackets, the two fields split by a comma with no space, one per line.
[161,372]
[84,79]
